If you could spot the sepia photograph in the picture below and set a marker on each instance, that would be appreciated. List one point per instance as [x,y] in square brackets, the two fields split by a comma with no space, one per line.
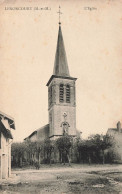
[61,96]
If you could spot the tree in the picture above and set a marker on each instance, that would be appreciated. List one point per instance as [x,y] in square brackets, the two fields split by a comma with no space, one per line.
[85,149]
[101,143]
[48,148]
[64,144]
[31,151]
[17,151]
[80,149]
[34,149]
[91,149]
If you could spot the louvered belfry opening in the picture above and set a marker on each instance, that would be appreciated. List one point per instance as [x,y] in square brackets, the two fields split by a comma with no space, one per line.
[61,93]
[68,94]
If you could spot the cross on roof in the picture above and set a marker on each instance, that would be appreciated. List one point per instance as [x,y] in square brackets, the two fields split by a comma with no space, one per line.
[59,12]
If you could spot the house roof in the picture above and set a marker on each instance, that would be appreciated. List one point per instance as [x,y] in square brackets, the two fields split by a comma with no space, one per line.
[114,129]
[9,118]
[5,131]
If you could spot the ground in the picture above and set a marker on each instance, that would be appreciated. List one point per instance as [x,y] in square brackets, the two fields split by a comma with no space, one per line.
[85,179]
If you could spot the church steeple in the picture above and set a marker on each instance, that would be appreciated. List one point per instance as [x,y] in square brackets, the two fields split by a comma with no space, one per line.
[60,65]
[61,94]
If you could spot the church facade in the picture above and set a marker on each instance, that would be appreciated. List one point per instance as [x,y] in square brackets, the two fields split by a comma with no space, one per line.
[61,99]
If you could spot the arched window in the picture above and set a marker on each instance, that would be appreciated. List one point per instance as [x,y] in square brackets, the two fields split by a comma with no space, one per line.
[67,93]
[61,93]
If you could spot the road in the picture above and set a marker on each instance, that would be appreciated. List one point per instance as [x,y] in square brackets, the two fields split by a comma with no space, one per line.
[102,179]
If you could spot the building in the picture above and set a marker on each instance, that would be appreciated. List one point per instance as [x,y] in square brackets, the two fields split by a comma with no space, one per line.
[61,95]
[39,134]
[61,99]
[116,133]
[6,124]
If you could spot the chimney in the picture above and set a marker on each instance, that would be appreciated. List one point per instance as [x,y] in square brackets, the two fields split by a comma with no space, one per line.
[119,127]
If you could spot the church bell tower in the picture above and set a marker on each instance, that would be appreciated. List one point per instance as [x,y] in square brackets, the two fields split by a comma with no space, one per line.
[61,95]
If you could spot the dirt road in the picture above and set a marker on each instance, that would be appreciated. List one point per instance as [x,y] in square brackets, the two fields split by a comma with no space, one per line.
[64,179]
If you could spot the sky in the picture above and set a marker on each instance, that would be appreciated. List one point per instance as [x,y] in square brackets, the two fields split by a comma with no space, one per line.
[93,45]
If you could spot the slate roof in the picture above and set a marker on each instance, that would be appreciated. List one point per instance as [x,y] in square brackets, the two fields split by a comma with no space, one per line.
[114,129]
[61,69]
[60,65]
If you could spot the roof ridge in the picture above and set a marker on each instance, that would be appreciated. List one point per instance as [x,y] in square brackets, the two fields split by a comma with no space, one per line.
[42,127]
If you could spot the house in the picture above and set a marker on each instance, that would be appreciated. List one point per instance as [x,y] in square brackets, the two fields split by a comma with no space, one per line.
[6,138]
[116,133]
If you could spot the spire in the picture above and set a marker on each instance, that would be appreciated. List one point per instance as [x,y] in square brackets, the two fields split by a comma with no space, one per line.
[60,65]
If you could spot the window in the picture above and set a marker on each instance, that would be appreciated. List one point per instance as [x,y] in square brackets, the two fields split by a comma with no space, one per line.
[67,93]
[51,94]
[50,119]
[61,93]
[50,122]
[0,140]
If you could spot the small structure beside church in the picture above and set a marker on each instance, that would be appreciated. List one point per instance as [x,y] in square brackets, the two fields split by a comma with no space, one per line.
[6,124]
[116,133]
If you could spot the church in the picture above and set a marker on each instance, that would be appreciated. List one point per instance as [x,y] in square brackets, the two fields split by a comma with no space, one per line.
[61,99]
